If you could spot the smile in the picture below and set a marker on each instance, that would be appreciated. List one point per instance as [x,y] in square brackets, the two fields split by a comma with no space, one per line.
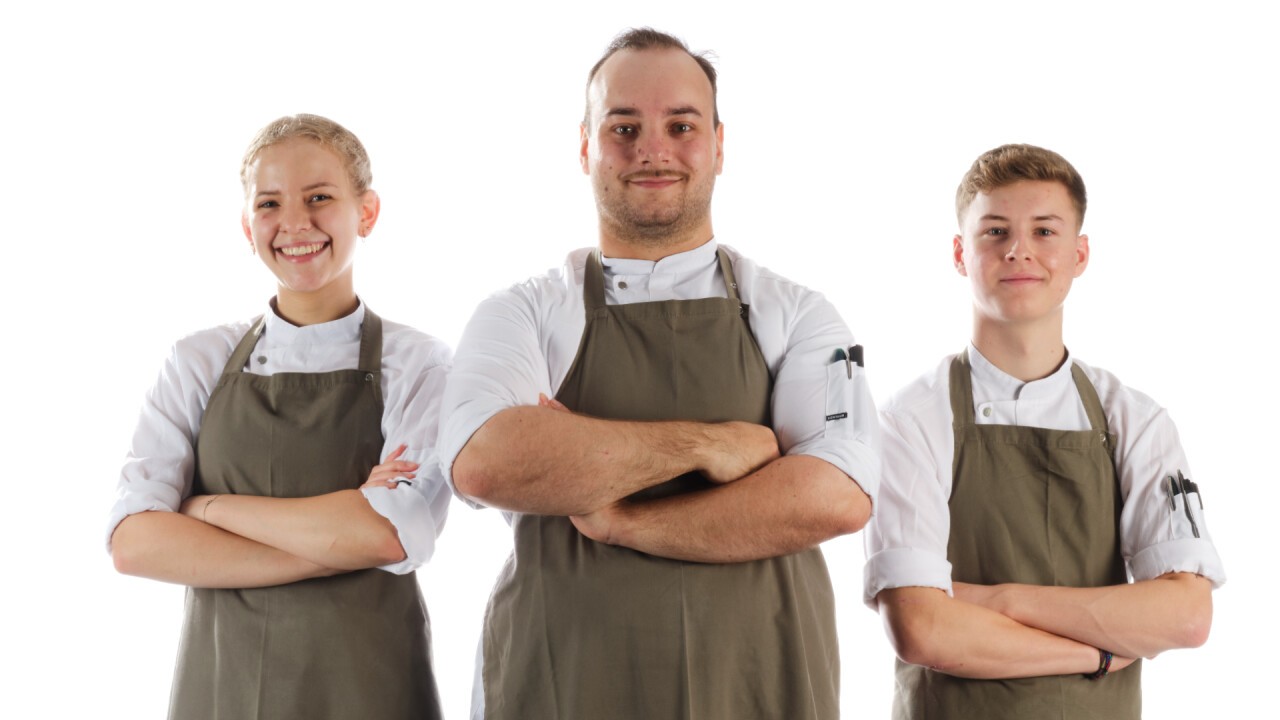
[301,250]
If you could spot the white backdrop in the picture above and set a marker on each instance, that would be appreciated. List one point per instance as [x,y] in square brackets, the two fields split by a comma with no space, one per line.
[846,133]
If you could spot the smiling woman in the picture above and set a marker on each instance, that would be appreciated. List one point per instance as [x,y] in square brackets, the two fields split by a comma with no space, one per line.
[254,475]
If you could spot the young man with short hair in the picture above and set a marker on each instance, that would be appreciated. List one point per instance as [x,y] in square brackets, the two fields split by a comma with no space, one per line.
[1021,488]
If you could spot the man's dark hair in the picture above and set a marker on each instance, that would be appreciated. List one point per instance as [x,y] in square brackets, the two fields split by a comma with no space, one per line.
[650,39]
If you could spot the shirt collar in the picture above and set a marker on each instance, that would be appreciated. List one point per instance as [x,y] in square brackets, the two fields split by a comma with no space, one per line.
[689,261]
[1007,385]
[280,332]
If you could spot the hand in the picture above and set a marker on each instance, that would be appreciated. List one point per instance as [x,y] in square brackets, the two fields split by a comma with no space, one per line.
[393,467]
[739,449]
[602,525]
[554,404]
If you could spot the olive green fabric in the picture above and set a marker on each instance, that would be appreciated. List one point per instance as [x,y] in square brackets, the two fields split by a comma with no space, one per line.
[1035,506]
[355,645]
[579,630]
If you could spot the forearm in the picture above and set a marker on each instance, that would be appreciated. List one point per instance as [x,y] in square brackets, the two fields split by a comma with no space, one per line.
[791,504]
[338,530]
[1141,619]
[929,628]
[174,548]
[550,462]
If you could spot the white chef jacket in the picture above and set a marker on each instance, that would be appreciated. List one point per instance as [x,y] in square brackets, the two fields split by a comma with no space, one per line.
[907,541]
[522,341]
[160,466]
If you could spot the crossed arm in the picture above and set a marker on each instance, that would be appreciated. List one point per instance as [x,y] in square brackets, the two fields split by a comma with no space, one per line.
[1010,631]
[238,541]
[548,461]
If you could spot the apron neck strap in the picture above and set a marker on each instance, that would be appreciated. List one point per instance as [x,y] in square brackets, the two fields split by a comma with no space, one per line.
[593,283]
[726,270]
[1089,398]
[240,356]
[370,342]
[961,391]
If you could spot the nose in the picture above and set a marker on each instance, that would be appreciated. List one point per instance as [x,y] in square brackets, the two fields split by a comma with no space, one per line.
[653,147]
[1018,248]
[295,219]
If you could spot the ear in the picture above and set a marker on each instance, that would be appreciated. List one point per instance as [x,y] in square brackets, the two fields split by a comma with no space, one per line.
[248,232]
[582,152]
[1082,254]
[370,206]
[957,255]
[719,148]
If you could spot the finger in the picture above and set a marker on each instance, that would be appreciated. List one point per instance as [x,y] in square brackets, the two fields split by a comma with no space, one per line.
[395,454]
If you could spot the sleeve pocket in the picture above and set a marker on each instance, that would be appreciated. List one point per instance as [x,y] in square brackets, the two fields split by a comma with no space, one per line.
[839,417]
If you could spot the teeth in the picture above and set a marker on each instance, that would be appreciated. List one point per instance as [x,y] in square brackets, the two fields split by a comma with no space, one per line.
[297,250]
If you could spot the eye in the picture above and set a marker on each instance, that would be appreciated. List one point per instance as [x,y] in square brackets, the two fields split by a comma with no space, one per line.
[624,130]
[318,197]
[995,231]
[682,127]
[268,204]
[1044,232]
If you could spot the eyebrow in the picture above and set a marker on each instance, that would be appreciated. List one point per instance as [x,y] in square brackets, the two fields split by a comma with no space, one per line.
[632,112]
[309,188]
[1038,218]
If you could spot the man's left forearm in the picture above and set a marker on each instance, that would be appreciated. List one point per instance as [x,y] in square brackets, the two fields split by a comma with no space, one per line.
[1141,619]
[792,504]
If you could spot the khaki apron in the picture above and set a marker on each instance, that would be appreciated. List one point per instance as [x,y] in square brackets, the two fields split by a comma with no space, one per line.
[1034,506]
[580,630]
[355,645]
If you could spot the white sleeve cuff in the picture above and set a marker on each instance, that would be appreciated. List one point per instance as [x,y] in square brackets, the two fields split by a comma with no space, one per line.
[854,459]
[411,515]
[904,567]
[1190,555]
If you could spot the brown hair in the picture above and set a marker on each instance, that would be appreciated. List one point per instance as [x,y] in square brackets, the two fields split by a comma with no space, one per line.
[320,129]
[650,39]
[1009,164]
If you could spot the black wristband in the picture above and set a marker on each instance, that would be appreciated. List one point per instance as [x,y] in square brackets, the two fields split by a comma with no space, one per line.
[1104,665]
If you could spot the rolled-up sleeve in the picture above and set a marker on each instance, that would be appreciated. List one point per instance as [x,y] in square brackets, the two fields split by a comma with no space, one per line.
[907,541]
[500,363]
[1161,531]
[822,406]
[417,507]
[160,464]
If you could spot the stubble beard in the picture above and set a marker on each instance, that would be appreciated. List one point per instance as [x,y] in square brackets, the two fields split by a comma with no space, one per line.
[656,227]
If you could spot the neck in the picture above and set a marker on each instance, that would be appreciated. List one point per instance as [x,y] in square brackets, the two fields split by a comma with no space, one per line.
[302,309]
[615,244]
[1027,351]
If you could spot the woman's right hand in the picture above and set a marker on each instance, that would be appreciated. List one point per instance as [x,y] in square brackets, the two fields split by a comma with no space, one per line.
[393,467]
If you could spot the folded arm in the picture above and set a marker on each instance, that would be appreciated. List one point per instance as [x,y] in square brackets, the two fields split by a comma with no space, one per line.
[543,460]
[174,548]
[791,504]
[1141,619]
[929,628]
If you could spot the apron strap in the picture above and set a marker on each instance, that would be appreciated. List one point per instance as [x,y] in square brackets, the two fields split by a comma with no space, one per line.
[240,356]
[370,342]
[726,270]
[1089,397]
[593,283]
[961,392]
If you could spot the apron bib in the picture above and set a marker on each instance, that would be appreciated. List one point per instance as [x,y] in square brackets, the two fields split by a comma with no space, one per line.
[1036,506]
[347,646]
[580,630]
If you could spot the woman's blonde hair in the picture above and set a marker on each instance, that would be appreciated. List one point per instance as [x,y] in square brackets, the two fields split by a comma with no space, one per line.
[320,129]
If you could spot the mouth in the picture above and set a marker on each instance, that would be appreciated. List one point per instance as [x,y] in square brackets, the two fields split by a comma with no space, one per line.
[650,179]
[1020,279]
[301,252]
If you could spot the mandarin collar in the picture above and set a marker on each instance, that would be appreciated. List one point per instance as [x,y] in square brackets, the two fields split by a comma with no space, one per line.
[689,261]
[1010,386]
[279,332]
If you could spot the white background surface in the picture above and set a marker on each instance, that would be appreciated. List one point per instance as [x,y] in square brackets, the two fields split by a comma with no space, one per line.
[846,133]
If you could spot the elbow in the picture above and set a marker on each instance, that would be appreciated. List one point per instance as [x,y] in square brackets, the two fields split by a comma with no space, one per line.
[126,553]
[471,476]
[911,642]
[852,510]
[1191,629]
[915,629]
[1195,626]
